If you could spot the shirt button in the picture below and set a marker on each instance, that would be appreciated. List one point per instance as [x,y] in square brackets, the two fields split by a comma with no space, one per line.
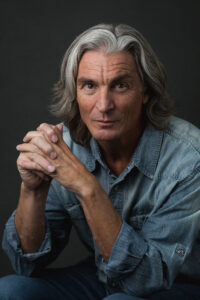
[180,251]
[113,284]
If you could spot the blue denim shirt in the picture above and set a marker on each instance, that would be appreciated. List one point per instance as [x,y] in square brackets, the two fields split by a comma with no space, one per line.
[158,198]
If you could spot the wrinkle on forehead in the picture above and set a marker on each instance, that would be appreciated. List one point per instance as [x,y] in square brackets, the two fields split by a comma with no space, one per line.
[97,65]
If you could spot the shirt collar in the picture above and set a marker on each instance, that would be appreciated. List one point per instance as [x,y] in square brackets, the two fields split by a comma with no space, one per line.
[145,157]
[96,152]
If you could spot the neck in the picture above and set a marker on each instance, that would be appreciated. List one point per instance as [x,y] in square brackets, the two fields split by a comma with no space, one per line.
[117,153]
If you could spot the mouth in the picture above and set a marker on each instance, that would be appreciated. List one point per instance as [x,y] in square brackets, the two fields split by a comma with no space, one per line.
[105,123]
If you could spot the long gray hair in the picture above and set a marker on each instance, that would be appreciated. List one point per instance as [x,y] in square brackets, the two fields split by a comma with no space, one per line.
[112,38]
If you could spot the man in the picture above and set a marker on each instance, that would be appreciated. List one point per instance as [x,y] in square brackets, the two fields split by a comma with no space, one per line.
[126,175]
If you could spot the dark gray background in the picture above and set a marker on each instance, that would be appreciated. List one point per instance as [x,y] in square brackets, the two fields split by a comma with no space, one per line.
[34,36]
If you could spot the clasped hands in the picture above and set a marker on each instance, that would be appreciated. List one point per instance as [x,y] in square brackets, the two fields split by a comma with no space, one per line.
[45,155]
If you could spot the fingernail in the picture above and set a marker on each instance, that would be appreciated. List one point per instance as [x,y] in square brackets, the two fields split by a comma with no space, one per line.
[51,168]
[53,155]
[54,138]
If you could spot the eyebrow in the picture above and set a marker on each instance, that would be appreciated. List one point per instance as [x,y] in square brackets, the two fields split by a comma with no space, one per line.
[82,80]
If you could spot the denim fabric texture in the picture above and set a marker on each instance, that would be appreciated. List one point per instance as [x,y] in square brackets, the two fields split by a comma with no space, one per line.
[158,198]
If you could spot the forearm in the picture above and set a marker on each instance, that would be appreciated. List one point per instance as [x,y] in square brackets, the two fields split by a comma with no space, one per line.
[30,218]
[103,220]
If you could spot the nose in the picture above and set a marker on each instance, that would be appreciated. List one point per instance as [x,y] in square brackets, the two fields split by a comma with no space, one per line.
[104,101]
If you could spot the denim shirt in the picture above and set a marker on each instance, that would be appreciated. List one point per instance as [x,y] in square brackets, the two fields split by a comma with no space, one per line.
[158,198]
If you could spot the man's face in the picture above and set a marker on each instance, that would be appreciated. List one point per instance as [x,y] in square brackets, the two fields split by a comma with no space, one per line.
[110,95]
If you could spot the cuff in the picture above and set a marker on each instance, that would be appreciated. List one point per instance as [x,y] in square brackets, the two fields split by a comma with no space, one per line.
[126,253]
[14,241]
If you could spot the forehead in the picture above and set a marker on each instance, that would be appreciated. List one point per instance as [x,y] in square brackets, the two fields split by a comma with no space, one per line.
[99,63]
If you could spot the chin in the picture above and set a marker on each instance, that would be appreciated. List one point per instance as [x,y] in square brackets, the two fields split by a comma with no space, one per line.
[105,136]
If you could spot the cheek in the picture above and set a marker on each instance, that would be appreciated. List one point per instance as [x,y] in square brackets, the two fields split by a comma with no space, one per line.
[130,108]
[85,106]
[125,106]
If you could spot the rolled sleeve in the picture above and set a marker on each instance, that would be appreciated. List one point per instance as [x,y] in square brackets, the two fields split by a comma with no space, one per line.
[147,261]
[57,231]
[23,263]
[126,254]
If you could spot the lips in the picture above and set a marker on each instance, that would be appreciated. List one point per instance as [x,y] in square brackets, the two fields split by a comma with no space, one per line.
[105,123]
[102,121]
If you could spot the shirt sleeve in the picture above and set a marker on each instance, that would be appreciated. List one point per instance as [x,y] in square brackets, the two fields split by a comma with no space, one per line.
[147,261]
[58,227]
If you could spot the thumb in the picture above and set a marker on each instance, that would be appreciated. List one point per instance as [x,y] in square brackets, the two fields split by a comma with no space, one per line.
[60,127]
[59,131]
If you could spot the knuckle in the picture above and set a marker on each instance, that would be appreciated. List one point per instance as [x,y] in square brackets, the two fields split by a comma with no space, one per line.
[20,157]
[50,129]
[38,139]
[20,162]
[42,125]
[48,149]
[28,133]
[45,127]
[32,156]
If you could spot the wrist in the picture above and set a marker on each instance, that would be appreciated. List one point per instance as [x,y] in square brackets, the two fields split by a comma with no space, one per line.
[36,193]
[89,189]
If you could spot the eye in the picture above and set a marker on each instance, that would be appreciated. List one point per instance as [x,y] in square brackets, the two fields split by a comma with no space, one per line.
[89,85]
[120,86]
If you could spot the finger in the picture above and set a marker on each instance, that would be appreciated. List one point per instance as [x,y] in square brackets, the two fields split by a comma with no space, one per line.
[28,147]
[30,135]
[23,161]
[35,162]
[42,175]
[49,130]
[59,132]
[32,149]
[38,144]
[60,127]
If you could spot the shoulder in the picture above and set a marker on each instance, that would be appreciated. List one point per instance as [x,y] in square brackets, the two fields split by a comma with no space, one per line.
[180,149]
[184,132]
